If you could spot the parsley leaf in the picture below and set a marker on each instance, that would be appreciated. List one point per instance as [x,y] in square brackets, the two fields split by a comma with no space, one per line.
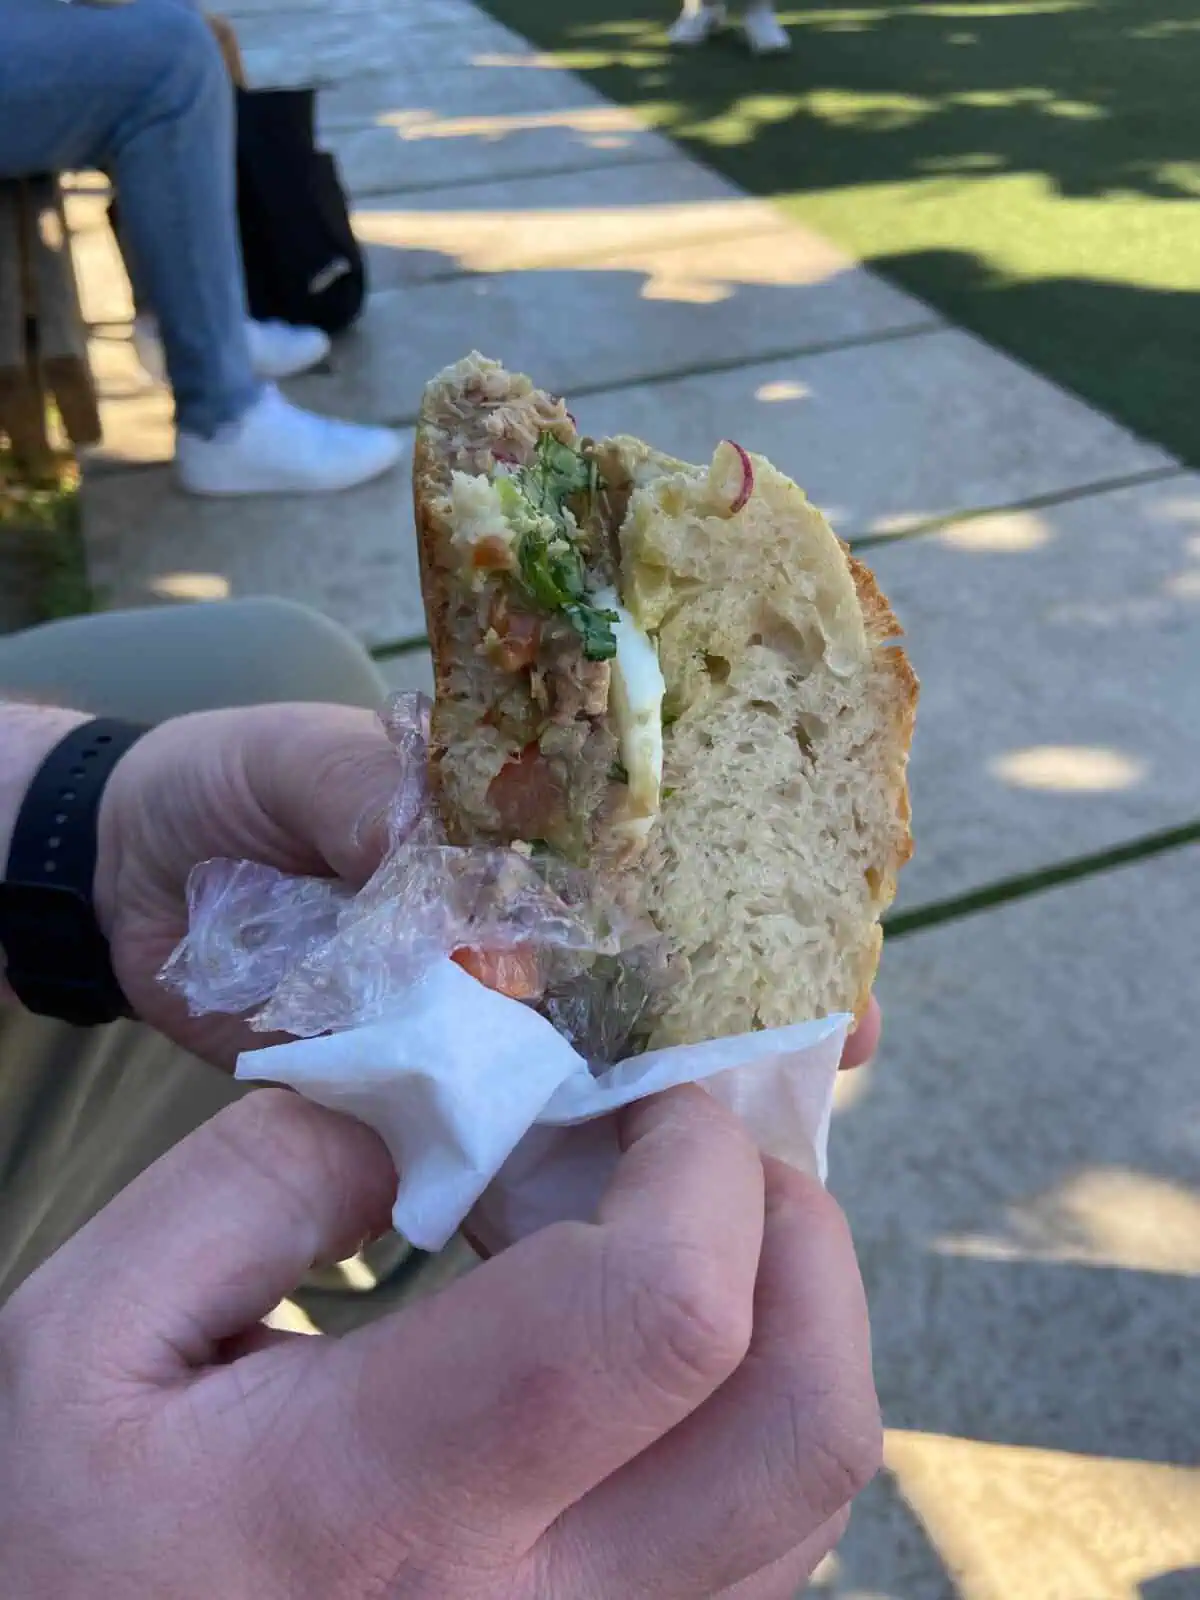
[556,473]
[594,628]
[550,566]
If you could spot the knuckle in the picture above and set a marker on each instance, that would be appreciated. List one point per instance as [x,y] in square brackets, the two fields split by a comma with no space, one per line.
[691,1326]
[834,1444]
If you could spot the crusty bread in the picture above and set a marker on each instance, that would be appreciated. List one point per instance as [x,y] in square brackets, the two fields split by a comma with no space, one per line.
[790,709]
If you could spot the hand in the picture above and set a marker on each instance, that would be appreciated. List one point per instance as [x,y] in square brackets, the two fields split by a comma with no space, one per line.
[304,788]
[864,1040]
[674,1401]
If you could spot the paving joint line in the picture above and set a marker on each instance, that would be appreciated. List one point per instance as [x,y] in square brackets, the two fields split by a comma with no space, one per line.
[1022,886]
[732,364]
[520,175]
[1037,502]
[392,649]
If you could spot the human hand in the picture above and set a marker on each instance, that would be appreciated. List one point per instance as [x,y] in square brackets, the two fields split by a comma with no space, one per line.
[674,1401]
[304,788]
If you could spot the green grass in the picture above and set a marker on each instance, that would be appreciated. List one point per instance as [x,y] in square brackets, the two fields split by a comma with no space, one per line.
[1029,167]
[43,569]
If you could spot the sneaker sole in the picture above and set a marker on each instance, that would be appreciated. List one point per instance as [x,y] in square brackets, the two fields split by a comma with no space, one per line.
[247,491]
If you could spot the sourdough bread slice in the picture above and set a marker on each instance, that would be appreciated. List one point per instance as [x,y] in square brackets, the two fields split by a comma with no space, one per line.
[788,716]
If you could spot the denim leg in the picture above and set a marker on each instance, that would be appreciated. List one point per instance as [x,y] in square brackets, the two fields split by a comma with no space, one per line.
[141,90]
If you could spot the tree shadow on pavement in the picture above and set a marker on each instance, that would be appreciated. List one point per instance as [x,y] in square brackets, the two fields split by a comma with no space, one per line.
[1055,140]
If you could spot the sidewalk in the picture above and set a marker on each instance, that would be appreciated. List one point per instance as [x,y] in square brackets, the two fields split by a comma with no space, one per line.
[1020,1166]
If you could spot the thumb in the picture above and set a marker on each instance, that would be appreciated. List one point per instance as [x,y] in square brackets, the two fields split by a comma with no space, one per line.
[206,1241]
[330,782]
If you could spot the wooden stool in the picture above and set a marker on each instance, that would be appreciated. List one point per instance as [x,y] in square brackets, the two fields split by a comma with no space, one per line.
[227,39]
[43,342]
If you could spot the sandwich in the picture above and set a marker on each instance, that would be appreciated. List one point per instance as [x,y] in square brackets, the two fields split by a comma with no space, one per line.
[675,680]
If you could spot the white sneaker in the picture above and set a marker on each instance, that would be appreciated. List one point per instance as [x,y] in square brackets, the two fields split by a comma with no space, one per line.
[695,27]
[765,35]
[277,349]
[278,449]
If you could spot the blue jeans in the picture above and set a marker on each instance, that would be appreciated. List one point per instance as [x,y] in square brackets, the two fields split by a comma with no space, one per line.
[141,90]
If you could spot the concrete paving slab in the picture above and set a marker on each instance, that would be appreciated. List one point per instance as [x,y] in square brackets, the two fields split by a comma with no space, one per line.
[350,555]
[319,48]
[483,88]
[510,226]
[1020,1170]
[885,436]
[1056,649]
[421,150]
[1004,1522]
[618,322]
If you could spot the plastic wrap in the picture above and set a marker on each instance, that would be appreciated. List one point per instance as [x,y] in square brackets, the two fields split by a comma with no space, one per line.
[309,956]
[497,1102]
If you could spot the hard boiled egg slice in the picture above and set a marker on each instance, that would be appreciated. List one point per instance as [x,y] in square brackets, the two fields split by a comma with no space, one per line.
[635,704]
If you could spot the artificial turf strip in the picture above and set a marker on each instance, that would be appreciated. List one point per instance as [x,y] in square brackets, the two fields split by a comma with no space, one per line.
[1029,167]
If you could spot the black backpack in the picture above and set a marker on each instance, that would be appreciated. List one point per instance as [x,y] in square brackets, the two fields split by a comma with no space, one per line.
[303,264]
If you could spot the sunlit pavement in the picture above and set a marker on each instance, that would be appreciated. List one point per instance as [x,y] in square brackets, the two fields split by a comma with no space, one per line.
[1020,1165]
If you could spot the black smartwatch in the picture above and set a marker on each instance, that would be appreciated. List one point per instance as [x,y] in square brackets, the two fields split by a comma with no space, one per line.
[57,960]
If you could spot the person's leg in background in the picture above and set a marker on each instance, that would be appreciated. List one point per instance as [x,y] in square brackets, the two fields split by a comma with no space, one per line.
[83,1110]
[142,91]
[699,20]
[765,34]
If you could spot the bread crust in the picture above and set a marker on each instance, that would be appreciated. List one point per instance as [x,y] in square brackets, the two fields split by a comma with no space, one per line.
[428,492]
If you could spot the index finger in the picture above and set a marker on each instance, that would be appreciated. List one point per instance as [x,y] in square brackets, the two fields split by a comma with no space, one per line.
[529,1381]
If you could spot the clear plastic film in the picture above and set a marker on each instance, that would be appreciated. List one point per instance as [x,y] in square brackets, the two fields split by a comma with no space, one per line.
[501,1103]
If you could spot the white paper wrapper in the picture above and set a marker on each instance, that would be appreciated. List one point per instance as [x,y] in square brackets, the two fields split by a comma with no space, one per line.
[488,1111]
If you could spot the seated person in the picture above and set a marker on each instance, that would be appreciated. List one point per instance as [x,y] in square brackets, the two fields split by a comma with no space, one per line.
[142,91]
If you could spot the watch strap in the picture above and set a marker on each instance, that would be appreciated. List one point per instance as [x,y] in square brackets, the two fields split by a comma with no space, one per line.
[57,958]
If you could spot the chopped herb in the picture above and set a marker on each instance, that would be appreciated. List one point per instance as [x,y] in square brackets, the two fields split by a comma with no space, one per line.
[551,569]
[669,718]
[550,566]
[556,473]
[667,793]
[594,627]
[618,772]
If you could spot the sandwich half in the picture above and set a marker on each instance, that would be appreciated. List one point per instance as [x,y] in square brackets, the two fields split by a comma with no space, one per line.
[676,677]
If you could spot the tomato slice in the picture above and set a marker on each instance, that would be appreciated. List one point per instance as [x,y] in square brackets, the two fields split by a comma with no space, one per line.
[491,554]
[511,972]
[528,796]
